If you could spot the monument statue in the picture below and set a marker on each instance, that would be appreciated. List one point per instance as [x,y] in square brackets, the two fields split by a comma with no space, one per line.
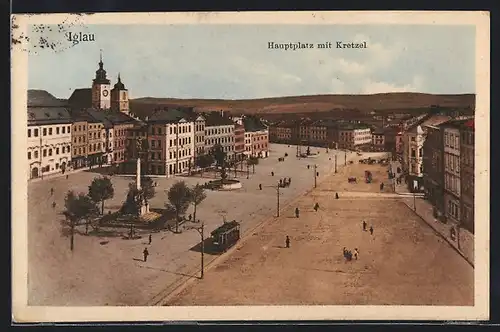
[144,207]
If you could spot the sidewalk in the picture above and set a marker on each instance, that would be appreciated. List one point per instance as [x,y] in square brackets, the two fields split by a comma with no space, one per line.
[465,244]
[60,174]
[425,211]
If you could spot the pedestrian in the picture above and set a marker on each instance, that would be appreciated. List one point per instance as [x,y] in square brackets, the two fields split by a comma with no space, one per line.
[289,181]
[51,191]
[53,205]
[272,173]
[296,212]
[344,252]
[316,207]
[356,252]
[146,254]
[336,196]
[150,238]
[364,226]
[190,217]
[307,166]
[371,230]
[287,242]
[381,186]
[67,176]
[260,186]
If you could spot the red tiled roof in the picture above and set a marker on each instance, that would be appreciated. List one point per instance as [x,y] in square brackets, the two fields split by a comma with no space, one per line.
[470,124]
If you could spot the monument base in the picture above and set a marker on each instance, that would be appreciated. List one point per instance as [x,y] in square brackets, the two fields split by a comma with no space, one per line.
[144,209]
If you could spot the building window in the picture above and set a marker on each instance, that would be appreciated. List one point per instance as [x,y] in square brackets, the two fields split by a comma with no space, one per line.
[36,154]
[413,153]
[69,129]
[57,130]
[29,155]
[50,131]
[44,131]
[57,150]
[36,132]
[29,132]
[64,130]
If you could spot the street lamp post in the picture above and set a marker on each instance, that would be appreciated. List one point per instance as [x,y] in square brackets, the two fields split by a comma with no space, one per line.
[345,157]
[277,200]
[335,163]
[414,200]
[201,231]
[248,171]
[315,174]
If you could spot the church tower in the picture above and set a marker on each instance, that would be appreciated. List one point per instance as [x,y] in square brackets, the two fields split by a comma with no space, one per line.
[119,97]
[101,88]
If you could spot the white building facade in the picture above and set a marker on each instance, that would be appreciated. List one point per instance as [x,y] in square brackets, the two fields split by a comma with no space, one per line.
[248,145]
[49,141]
[179,150]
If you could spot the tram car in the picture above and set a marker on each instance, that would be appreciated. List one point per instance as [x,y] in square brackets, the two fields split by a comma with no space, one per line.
[226,235]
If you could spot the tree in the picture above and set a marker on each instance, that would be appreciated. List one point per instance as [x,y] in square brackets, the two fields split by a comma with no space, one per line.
[148,188]
[100,190]
[223,173]
[203,161]
[252,161]
[179,197]
[219,155]
[132,204]
[197,195]
[78,208]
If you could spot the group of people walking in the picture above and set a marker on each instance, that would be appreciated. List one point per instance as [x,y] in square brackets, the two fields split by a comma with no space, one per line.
[348,254]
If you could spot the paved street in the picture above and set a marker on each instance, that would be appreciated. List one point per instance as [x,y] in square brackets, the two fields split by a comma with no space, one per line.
[403,263]
[107,270]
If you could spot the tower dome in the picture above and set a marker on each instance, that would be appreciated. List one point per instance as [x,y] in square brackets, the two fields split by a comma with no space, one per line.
[119,85]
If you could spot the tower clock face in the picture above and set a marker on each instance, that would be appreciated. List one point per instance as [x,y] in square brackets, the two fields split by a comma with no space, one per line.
[105,93]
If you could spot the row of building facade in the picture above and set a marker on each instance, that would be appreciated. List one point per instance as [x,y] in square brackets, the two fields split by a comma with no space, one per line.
[94,127]
[336,134]
[448,170]
[438,159]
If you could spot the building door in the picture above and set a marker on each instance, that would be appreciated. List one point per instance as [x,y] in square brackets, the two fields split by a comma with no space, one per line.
[34,172]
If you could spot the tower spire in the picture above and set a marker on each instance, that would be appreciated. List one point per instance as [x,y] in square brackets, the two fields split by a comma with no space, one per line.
[100,55]
[119,79]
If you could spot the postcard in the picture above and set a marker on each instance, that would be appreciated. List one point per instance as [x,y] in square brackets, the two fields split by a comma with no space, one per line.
[250,166]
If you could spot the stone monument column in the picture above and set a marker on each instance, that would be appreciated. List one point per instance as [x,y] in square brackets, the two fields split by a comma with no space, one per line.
[138,174]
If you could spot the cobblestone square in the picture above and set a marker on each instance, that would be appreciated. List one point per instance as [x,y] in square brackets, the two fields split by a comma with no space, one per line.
[108,270]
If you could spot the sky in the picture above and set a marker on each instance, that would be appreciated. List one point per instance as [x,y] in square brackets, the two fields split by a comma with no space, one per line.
[234,61]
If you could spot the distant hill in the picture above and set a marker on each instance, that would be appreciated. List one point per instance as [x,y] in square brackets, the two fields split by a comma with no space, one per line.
[380,103]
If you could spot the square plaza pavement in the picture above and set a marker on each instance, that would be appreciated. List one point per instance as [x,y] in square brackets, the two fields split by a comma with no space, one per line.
[404,262]
[108,270]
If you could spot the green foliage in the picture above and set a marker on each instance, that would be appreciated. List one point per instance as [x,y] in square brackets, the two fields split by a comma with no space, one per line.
[132,204]
[77,208]
[204,160]
[252,161]
[148,188]
[197,195]
[100,190]
[219,155]
[179,198]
